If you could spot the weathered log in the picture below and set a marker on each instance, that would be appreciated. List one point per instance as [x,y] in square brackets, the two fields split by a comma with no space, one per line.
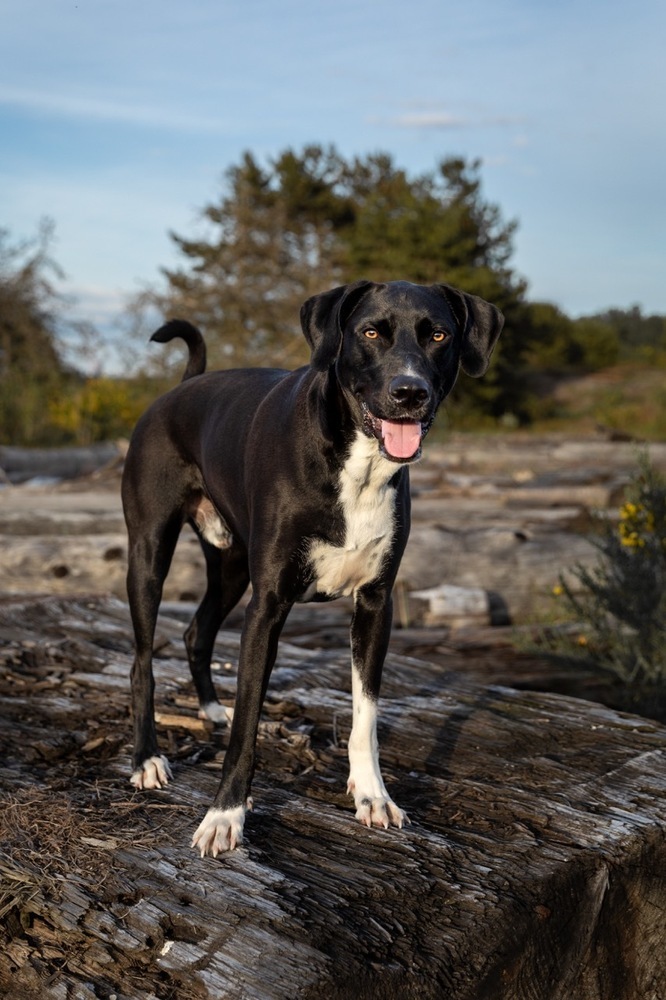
[456,607]
[22,464]
[487,513]
[535,865]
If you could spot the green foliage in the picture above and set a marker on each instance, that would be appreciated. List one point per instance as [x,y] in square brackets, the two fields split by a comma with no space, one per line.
[564,345]
[34,375]
[594,345]
[270,243]
[31,368]
[621,601]
[100,409]
[305,222]
[432,228]
[293,226]
[639,337]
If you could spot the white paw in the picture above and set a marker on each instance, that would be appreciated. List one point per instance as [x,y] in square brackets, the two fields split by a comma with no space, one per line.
[220,830]
[377,810]
[153,773]
[216,712]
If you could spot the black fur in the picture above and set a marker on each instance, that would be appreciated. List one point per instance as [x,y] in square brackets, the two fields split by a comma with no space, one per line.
[261,453]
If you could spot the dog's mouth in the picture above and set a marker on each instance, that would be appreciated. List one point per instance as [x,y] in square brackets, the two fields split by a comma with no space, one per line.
[400,440]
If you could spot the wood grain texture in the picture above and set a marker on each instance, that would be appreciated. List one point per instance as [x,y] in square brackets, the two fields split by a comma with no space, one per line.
[535,865]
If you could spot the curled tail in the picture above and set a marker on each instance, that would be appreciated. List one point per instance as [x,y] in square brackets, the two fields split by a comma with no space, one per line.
[196,362]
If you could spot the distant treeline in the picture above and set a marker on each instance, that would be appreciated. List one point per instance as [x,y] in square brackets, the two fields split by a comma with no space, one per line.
[280,232]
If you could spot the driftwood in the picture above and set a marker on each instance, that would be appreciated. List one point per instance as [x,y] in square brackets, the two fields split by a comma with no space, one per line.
[18,465]
[505,514]
[535,865]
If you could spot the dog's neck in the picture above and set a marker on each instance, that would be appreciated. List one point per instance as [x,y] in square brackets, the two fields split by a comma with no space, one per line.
[366,496]
[334,414]
[366,470]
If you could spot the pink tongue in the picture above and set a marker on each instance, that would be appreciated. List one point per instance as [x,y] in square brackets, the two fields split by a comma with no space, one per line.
[401,440]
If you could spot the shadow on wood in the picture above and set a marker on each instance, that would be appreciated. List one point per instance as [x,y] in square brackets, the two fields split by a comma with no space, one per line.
[535,865]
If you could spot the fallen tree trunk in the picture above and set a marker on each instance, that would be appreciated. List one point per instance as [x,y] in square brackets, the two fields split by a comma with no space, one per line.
[535,865]
[18,465]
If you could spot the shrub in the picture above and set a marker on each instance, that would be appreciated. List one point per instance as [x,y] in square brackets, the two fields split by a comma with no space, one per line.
[98,409]
[620,603]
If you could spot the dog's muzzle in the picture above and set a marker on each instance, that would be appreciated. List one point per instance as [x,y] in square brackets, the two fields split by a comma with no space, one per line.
[400,440]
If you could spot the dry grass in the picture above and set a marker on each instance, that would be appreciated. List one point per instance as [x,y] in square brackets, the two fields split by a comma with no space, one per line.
[629,398]
[47,838]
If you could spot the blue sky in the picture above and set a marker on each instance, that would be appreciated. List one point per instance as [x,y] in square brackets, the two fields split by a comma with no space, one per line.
[118,119]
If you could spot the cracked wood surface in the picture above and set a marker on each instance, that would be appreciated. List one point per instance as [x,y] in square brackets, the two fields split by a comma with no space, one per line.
[535,865]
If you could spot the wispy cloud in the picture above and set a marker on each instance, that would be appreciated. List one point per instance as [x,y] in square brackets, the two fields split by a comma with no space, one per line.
[446,120]
[429,119]
[110,110]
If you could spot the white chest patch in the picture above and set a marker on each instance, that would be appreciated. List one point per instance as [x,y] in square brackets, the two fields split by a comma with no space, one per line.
[368,505]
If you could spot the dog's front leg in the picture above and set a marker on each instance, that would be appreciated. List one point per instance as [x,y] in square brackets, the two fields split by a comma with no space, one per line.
[222,827]
[370,630]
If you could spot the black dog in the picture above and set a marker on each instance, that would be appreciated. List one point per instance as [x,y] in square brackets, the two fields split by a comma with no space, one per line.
[296,483]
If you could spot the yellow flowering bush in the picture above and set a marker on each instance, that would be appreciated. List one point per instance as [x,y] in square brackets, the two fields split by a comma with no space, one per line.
[637,522]
[98,409]
[620,602]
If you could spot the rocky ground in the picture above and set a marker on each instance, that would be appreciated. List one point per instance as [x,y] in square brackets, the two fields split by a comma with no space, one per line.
[504,514]
[536,860]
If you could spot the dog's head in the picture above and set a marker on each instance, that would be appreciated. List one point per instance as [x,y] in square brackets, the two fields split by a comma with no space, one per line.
[397,349]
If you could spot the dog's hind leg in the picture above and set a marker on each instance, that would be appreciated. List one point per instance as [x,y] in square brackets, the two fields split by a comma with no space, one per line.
[149,557]
[227,579]
[370,630]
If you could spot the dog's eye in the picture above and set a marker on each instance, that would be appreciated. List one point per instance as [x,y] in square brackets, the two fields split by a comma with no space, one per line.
[370,333]
[439,336]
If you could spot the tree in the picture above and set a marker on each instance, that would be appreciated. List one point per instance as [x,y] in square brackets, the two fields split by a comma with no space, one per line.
[35,337]
[639,337]
[561,345]
[271,242]
[303,223]
[26,298]
[100,408]
[433,228]
[31,364]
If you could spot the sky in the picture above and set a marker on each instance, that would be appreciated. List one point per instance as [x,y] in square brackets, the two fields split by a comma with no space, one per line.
[119,118]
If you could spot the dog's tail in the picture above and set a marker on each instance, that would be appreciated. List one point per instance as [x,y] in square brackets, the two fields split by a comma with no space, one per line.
[196,362]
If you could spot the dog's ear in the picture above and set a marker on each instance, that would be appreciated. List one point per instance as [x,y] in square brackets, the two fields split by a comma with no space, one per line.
[481,324]
[323,317]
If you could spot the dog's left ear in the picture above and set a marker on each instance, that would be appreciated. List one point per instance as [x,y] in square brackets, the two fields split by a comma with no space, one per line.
[481,324]
[323,317]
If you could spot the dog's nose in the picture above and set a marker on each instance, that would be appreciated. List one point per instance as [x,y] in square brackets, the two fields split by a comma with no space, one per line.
[409,391]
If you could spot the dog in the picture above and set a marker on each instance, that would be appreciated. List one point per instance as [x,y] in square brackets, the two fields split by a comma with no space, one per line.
[298,484]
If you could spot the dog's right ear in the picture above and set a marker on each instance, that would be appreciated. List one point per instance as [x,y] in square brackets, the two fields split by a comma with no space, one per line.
[323,317]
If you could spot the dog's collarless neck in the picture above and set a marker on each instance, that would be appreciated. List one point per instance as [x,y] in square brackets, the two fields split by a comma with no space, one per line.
[332,412]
